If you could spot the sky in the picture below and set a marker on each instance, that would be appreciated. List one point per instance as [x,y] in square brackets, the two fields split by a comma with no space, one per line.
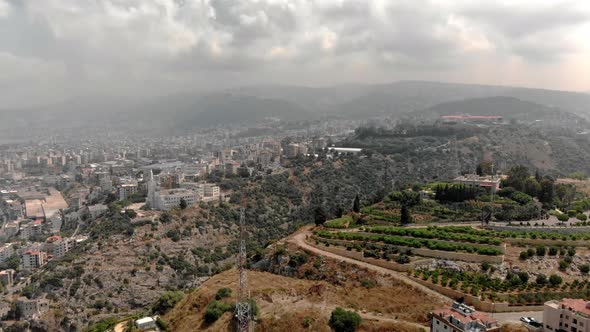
[56,49]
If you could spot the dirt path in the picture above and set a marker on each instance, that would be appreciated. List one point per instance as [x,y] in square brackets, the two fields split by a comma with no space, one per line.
[120,327]
[299,237]
[299,240]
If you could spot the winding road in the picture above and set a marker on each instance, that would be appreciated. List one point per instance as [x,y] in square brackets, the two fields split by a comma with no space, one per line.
[299,240]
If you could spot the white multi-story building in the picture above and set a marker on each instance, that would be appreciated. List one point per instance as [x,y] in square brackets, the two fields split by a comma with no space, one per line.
[126,190]
[6,251]
[210,190]
[62,246]
[33,259]
[30,230]
[170,198]
[462,318]
[567,315]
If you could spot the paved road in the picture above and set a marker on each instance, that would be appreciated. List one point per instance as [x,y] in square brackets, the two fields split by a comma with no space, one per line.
[505,317]
[299,239]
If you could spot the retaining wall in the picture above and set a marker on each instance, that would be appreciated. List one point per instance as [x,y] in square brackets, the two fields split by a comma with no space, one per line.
[542,229]
[378,262]
[476,302]
[449,255]
[547,242]
[454,294]
[476,245]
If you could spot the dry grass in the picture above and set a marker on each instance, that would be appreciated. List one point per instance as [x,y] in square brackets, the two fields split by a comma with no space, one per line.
[289,304]
[582,186]
[513,327]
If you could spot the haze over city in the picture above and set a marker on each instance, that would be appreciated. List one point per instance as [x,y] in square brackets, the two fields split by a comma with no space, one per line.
[57,49]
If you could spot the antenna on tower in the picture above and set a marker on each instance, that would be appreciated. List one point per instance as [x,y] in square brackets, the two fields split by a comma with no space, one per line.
[243,310]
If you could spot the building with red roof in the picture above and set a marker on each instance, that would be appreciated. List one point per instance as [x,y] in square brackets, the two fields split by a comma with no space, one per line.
[462,318]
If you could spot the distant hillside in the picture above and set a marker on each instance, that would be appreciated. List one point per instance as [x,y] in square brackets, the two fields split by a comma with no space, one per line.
[250,104]
[509,108]
[392,99]
[172,112]
[440,151]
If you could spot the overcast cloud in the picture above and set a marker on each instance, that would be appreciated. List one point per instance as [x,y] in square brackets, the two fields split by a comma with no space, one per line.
[54,49]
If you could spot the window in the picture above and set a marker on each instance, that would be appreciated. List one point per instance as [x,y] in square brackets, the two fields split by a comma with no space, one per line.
[437,323]
[575,321]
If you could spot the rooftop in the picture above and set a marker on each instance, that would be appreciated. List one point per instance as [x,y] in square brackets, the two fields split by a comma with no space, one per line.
[144,320]
[579,306]
[466,316]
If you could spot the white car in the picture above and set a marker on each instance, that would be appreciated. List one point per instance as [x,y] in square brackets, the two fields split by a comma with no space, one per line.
[527,320]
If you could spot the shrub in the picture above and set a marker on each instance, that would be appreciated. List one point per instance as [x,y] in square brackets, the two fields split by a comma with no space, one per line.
[582,217]
[563,217]
[223,293]
[521,198]
[563,265]
[167,302]
[541,279]
[215,309]
[402,259]
[553,251]
[541,250]
[162,324]
[571,251]
[555,280]
[585,268]
[307,322]
[524,255]
[344,321]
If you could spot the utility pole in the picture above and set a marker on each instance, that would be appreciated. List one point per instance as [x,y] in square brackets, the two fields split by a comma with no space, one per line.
[243,310]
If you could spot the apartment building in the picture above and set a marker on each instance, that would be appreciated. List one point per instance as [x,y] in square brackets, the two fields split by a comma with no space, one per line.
[170,199]
[126,190]
[567,315]
[62,246]
[6,251]
[33,259]
[32,308]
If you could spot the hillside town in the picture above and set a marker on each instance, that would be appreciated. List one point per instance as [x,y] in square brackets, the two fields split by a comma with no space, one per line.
[48,192]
